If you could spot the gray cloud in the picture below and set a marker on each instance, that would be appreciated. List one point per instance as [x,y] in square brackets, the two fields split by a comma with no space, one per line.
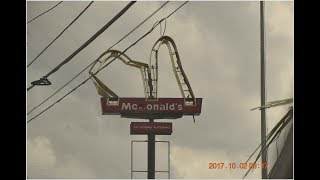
[219,47]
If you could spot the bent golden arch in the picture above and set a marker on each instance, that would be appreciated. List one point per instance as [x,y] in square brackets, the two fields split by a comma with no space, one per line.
[149,73]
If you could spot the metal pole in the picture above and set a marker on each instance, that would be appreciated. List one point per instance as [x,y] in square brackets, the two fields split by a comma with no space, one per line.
[168,160]
[151,143]
[264,171]
[131,159]
[151,155]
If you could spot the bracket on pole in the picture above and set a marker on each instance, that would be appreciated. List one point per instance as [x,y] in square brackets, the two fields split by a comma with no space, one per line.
[41,82]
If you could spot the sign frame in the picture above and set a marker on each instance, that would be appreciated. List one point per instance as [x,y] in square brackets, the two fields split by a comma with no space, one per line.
[142,108]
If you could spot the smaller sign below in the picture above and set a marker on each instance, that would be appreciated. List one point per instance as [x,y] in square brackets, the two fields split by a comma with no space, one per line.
[157,128]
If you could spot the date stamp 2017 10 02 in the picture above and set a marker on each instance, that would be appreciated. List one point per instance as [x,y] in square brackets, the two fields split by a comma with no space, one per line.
[233,165]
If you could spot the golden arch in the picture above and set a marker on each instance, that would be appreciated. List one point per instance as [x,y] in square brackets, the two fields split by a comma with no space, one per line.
[102,89]
[182,80]
[149,73]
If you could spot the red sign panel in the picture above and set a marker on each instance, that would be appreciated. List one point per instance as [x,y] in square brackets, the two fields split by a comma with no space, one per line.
[159,128]
[162,108]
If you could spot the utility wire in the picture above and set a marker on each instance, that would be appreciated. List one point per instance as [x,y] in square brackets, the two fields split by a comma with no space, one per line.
[154,26]
[86,43]
[96,60]
[140,23]
[44,12]
[60,33]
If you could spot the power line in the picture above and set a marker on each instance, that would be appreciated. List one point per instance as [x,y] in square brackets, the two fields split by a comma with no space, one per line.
[44,12]
[96,60]
[86,43]
[60,33]
[154,26]
[141,23]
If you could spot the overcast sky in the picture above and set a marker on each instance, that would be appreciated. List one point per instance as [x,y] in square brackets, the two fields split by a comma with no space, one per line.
[219,47]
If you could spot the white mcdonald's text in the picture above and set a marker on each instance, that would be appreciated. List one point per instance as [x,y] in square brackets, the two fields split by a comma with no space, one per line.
[152,107]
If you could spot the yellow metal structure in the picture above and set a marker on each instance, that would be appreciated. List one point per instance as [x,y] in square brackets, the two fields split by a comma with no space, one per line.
[182,80]
[149,72]
[102,89]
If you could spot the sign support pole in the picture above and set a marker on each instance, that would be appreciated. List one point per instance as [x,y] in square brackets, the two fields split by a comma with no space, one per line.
[264,159]
[151,154]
